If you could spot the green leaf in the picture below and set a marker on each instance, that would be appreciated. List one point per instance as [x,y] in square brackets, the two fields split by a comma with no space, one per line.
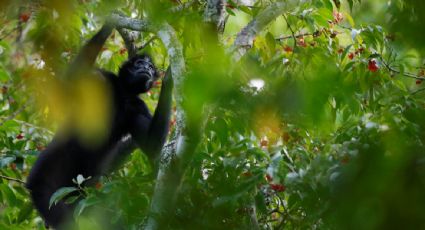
[229,11]
[350,2]
[8,194]
[245,9]
[400,85]
[6,161]
[80,208]
[4,75]
[346,50]
[60,194]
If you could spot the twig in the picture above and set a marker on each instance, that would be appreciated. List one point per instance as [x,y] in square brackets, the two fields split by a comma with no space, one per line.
[32,126]
[12,179]
[244,39]
[391,69]
[417,91]
[292,31]
[147,43]
[13,115]
[292,36]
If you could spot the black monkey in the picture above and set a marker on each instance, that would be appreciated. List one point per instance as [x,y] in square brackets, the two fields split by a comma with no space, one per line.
[66,157]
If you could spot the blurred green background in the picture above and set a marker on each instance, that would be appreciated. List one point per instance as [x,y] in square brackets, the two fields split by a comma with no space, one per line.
[320,125]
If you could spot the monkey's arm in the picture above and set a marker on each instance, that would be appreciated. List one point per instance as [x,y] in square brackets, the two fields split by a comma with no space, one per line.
[88,53]
[151,134]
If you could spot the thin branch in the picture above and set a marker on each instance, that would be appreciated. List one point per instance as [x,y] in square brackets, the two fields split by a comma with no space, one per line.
[406,74]
[292,31]
[13,115]
[417,91]
[292,36]
[153,38]
[12,179]
[244,39]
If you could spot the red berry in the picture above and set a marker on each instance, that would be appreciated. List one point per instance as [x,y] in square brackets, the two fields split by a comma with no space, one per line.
[269,178]
[288,49]
[361,49]
[372,65]
[351,56]
[123,50]
[98,185]
[4,89]
[247,174]
[24,16]
[19,136]
[418,82]
[230,6]
[264,143]
[302,43]
[278,187]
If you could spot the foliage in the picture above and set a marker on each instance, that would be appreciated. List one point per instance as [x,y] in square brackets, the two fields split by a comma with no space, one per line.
[320,125]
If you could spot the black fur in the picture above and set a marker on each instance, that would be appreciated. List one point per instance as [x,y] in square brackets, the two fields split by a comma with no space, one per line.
[66,157]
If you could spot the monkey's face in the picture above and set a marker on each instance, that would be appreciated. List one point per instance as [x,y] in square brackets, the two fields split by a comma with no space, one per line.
[138,74]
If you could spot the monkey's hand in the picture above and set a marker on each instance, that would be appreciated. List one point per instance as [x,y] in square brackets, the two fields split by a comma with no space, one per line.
[167,82]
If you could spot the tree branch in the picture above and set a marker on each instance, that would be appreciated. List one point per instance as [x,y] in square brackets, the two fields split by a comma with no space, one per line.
[409,75]
[170,170]
[16,113]
[215,13]
[129,39]
[244,39]
[131,23]
[12,179]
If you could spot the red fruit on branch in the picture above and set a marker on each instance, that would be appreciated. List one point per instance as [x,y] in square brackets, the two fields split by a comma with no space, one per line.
[288,49]
[418,82]
[278,187]
[301,42]
[230,6]
[264,143]
[269,178]
[24,16]
[4,90]
[247,174]
[123,50]
[351,56]
[19,136]
[98,185]
[372,65]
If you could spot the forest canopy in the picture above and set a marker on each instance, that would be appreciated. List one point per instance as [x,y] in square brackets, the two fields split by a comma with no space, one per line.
[286,114]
